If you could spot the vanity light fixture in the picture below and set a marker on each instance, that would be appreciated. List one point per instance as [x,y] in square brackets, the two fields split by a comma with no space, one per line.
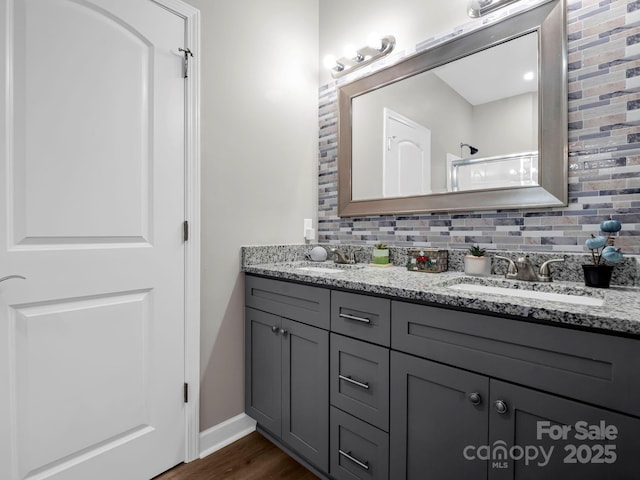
[478,8]
[529,76]
[355,58]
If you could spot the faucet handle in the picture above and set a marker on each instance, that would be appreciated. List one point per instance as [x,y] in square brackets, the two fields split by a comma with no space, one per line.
[513,269]
[342,257]
[545,273]
[523,260]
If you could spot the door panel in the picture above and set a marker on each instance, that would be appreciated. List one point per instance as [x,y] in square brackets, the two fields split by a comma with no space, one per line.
[59,348]
[75,126]
[569,455]
[406,156]
[305,403]
[92,342]
[433,421]
[263,357]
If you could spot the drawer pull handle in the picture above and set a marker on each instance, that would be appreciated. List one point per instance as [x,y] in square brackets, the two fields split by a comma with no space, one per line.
[348,455]
[355,382]
[353,317]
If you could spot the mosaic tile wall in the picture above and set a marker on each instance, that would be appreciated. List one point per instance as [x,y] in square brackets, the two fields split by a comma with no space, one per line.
[604,154]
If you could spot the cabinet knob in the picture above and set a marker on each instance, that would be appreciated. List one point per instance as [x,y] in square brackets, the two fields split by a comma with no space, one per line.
[500,406]
[475,398]
[275,328]
[283,332]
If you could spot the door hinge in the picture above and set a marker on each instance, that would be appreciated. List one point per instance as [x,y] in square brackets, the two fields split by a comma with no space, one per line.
[186,53]
[185,230]
[186,393]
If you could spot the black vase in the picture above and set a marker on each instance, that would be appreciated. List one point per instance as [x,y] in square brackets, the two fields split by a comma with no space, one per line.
[598,276]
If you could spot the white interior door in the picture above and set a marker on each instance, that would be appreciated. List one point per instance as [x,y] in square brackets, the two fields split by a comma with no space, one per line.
[406,156]
[92,199]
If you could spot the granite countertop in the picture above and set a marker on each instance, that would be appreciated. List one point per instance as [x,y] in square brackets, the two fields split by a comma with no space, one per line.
[619,313]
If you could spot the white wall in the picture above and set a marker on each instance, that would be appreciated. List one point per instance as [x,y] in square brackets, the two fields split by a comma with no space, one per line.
[509,125]
[259,164]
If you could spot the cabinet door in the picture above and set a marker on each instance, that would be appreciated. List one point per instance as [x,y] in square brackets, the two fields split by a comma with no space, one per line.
[305,394]
[263,370]
[434,416]
[531,414]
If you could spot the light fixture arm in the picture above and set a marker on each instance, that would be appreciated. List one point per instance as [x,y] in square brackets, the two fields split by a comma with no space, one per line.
[478,8]
[364,56]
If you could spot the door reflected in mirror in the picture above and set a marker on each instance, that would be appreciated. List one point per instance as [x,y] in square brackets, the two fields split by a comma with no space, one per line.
[471,124]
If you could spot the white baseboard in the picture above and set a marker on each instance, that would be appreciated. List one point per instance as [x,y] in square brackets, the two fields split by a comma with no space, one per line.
[221,435]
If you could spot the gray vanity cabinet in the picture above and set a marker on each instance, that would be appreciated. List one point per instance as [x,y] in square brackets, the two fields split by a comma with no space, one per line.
[589,451]
[436,411]
[442,417]
[407,391]
[287,367]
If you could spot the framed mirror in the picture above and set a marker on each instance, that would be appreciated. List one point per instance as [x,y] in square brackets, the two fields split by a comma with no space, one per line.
[458,126]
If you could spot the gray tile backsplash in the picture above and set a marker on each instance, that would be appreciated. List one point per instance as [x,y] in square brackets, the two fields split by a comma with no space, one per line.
[604,156]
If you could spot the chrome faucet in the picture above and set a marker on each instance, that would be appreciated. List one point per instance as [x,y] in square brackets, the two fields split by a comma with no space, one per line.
[522,269]
[341,257]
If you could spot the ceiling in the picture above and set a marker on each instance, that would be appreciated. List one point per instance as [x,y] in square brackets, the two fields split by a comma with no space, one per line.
[494,73]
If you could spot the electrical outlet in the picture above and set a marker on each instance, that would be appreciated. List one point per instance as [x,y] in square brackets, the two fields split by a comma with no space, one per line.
[308,225]
[309,232]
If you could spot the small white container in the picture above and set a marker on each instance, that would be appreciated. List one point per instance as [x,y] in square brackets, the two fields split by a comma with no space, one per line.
[480,266]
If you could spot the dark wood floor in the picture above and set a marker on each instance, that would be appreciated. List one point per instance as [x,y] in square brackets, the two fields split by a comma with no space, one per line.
[250,458]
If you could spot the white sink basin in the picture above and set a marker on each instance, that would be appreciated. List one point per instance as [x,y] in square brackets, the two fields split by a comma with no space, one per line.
[524,293]
[322,269]
[328,267]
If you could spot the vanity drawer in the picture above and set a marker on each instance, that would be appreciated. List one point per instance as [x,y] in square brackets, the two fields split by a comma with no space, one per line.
[358,450]
[594,368]
[303,303]
[361,316]
[359,373]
